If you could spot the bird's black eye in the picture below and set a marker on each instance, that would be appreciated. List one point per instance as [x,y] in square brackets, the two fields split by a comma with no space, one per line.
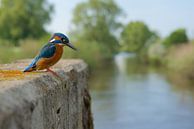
[63,40]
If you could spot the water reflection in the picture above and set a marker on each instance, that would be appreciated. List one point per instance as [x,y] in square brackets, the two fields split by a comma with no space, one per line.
[121,60]
[137,97]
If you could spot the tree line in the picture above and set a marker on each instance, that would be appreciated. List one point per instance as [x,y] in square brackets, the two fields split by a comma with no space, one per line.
[94,21]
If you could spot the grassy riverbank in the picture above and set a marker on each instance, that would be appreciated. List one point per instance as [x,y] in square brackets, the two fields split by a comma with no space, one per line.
[92,53]
[177,58]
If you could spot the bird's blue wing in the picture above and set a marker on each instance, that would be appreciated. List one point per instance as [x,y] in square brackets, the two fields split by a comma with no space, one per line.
[46,52]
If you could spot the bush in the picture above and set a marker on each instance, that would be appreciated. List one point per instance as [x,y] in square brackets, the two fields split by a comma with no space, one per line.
[179,36]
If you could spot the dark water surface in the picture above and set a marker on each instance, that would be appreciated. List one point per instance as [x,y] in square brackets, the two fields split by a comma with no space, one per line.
[128,95]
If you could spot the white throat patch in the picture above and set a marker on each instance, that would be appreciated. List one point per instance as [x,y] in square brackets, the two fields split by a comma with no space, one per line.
[52,40]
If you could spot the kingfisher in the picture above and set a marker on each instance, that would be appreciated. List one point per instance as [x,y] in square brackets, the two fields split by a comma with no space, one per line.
[50,54]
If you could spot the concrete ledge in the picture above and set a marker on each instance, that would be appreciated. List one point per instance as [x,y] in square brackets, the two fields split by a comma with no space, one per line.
[43,101]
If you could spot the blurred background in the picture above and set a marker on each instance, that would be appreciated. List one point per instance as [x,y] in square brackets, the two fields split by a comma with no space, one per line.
[140,54]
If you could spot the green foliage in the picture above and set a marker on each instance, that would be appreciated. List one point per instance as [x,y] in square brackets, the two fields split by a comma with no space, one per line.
[177,37]
[90,52]
[95,21]
[135,36]
[20,19]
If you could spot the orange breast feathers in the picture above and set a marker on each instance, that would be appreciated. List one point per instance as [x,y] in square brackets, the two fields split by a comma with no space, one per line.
[48,62]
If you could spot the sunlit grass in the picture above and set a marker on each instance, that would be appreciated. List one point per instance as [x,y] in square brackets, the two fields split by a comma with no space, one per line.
[7,54]
[27,49]
[181,59]
[92,52]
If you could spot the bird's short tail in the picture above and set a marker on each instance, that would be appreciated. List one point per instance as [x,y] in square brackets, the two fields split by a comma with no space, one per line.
[29,69]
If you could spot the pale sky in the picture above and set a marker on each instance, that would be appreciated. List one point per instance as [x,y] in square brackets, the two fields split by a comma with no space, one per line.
[163,16]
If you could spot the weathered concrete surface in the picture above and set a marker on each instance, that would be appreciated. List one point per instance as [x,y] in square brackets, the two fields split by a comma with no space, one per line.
[43,101]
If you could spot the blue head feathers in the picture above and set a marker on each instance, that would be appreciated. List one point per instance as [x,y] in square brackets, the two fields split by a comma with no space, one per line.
[59,38]
[62,39]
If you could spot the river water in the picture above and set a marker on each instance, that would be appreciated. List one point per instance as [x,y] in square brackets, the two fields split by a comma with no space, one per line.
[129,95]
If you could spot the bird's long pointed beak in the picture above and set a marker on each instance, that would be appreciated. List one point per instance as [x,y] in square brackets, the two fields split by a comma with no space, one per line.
[71,46]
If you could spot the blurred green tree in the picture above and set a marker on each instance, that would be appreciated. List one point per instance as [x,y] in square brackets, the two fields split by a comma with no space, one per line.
[135,36]
[21,19]
[96,21]
[177,37]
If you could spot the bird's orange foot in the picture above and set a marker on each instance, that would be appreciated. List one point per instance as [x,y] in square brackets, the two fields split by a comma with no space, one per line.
[54,73]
